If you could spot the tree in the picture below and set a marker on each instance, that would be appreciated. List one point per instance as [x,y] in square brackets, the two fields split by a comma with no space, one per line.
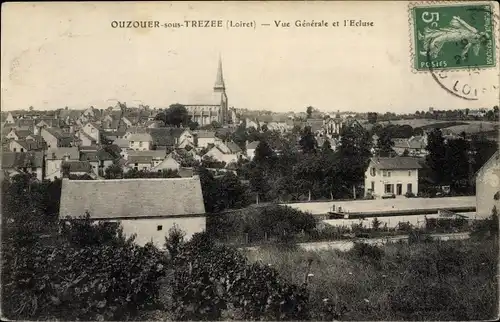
[114,171]
[309,111]
[263,153]
[436,159]
[326,147]
[385,143]
[457,156]
[174,241]
[372,117]
[308,142]
[376,223]
[175,115]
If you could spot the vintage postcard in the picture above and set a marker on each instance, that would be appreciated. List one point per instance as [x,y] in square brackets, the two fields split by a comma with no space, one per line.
[253,160]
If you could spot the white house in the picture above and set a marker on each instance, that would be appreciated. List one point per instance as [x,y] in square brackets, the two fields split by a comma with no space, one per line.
[99,160]
[140,141]
[54,159]
[147,208]
[227,152]
[93,130]
[392,176]
[204,138]
[169,163]
[144,160]
[487,186]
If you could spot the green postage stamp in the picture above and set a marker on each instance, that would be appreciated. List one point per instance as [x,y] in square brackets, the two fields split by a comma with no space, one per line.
[453,36]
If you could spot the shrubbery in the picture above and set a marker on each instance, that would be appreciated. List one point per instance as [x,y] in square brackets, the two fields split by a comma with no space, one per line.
[213,282]
[272,223]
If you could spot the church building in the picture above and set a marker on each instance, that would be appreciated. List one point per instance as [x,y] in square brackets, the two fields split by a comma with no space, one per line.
[215,108]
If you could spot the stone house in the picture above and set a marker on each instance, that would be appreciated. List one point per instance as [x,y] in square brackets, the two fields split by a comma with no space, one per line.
[147,208]
[488,187]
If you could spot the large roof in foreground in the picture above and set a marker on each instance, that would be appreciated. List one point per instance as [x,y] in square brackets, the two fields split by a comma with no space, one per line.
[131,198]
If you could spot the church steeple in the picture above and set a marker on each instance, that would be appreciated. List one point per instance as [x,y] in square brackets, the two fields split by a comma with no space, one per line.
[219,81]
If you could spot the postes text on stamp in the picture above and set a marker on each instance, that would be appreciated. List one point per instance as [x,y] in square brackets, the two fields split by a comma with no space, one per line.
[453,36]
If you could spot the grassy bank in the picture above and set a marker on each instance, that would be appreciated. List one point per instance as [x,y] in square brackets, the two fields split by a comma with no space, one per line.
[453,280]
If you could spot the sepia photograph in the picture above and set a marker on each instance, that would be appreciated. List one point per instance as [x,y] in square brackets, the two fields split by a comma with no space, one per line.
[250,160]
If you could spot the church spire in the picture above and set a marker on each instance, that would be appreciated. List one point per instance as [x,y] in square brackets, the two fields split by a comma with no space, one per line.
[219,81]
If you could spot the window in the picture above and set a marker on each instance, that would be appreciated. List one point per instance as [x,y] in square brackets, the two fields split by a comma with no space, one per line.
[144,168]
[131,142]
[373,186]
[372,172]
[159,227]
[15,149]
[388,188]
[388,173]
[409,173]
[33,169]
[140,144]
[409,188]
[22,150]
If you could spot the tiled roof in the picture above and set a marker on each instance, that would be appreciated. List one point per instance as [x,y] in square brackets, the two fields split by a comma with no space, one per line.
[205,134]
[30,144]
[233,147]
[140,137]
[22,133]
[253,145]
[60,153]
[150,153]
[401,163]
[94,156]
[22,159]
[139,159]
[122,143]
[77,166]
[131,197]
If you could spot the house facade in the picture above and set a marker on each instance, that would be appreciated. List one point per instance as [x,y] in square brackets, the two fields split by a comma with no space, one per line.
[392,176]
[54,159]
[93,131]
[205,138]
[147,208]
[140,141]
[23,162]
[487,186]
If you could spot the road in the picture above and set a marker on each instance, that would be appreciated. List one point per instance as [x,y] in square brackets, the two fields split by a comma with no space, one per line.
[317,208]
[345,245]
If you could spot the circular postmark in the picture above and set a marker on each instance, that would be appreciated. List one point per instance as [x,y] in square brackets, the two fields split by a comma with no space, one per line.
[457,44]
[472,82]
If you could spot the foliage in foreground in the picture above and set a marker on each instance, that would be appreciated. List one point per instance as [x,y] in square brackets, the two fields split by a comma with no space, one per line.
[214,282]
[455,280]
[87,272]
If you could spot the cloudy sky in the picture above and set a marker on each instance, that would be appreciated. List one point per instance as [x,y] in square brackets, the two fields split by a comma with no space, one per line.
[56,55]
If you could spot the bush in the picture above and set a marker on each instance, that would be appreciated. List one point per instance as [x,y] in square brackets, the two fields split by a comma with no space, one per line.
[410,195]
[213,282]
[367,252]
[80,276]
[281,224]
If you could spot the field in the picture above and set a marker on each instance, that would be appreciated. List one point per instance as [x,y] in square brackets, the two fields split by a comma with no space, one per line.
[453,280]
[474,127]
[457,127]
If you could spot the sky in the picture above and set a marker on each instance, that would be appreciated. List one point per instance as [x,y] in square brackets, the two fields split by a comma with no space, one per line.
[67,54]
